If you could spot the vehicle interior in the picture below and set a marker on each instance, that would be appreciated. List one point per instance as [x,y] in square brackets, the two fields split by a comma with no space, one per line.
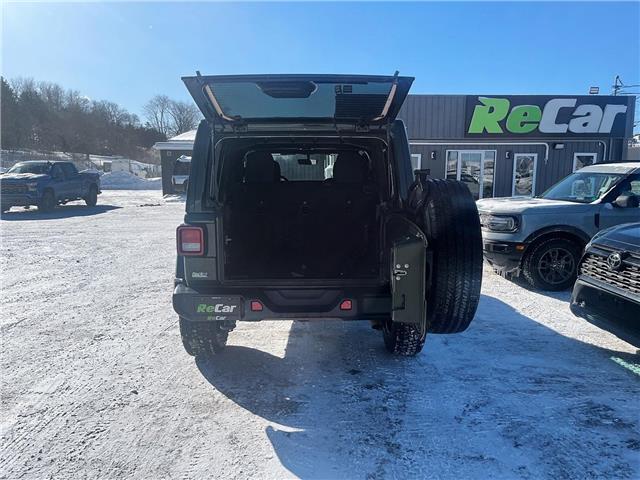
[307,209]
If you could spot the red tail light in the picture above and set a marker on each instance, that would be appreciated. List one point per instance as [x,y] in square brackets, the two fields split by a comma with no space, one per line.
[190,240]
[256,306]
[346,305]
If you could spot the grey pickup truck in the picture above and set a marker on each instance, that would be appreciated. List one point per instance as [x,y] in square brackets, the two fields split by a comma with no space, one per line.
[543,237]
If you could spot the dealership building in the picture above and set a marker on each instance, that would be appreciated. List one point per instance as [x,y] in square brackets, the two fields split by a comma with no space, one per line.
[499,145]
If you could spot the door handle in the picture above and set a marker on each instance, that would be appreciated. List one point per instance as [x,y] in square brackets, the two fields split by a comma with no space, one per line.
[398,273]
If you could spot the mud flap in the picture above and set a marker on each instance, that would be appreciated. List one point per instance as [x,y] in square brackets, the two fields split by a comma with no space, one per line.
[408,272]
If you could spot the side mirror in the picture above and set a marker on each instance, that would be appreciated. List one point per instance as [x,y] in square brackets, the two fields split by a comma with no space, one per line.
[626,200]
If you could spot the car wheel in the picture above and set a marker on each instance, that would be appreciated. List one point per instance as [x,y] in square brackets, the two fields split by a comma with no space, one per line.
[402,338]
[203,339]
[450,221]
[92,198]
[47,202]
[552,264]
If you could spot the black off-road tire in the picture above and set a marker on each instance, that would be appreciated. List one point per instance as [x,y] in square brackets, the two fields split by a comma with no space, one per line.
[48,202]
[533,270]
[203,339]
[92,197]
[449,218]
[403,339]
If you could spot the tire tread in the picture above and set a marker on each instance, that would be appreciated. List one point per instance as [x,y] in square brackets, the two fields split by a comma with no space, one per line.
[202,339]
[450,220]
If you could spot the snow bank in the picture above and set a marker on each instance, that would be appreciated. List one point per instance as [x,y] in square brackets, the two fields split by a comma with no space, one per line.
[128,181]
[175,197]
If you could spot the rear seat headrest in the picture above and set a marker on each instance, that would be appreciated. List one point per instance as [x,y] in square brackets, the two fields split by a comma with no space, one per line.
[350,167]
[261,167]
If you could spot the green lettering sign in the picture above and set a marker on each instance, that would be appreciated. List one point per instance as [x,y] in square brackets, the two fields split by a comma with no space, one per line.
[524,118]
[486,117]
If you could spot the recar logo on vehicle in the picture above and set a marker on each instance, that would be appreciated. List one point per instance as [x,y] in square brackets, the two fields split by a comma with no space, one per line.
[217,308]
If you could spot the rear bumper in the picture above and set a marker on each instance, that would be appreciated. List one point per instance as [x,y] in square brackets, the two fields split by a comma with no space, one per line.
[503,256]
[591,298]
[219,304]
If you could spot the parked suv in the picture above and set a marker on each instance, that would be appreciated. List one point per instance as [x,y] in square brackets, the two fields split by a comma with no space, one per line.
[302,204]
[543,237]
[607,291]
[180,177]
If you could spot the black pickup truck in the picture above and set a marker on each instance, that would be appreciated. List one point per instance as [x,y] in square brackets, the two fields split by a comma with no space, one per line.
[302,203]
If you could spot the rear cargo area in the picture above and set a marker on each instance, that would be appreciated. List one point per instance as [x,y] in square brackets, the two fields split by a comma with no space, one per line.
[301,217]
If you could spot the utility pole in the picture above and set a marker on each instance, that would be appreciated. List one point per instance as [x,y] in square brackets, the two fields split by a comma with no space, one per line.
[617,85]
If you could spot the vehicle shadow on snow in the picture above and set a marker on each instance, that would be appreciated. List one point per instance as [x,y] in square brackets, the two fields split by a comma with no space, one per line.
[508,398]
[520,281]
[63,211]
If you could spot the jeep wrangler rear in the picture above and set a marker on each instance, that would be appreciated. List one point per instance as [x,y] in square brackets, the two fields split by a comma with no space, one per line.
[302,204]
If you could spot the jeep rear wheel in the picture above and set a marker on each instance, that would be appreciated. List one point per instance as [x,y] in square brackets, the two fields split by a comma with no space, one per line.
[449,218]
[552,264]
[203,339]
[402,338]
[47,202]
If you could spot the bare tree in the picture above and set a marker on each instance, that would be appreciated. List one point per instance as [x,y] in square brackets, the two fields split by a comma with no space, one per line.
[113,113]
[44,116]
[157,114]
[53,94]
[184,116]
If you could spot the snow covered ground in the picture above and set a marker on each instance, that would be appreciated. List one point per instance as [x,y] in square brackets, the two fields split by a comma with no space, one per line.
[95,383]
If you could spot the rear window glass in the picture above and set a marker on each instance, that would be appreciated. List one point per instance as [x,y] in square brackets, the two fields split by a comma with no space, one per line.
[299,167]
[301,99]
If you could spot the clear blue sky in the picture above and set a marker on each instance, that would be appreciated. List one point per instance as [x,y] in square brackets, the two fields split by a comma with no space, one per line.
[127,52]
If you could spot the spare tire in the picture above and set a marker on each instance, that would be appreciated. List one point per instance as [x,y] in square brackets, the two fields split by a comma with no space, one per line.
[449,217]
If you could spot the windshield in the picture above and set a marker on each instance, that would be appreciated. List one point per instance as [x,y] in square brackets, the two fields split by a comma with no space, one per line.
[582,187]
[182,168]
[30,168]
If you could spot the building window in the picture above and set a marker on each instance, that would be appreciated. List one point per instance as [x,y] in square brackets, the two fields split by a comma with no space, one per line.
[475,168]
[524,174]
[416,161]
[583,159]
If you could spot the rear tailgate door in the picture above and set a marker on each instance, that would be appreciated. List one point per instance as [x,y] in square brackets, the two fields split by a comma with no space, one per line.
[299,101]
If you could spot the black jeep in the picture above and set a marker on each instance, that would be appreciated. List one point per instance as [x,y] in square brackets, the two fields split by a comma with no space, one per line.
[302,204]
